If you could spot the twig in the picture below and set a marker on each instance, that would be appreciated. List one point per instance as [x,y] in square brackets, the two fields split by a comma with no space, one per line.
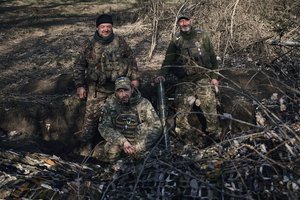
[269,113]
[286,43]
[104,193]
[232,18]
[177,14]
[154,27]
[265,157]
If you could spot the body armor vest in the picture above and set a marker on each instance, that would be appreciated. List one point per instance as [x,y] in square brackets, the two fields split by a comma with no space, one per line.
[192,53]
[106,62]
[127,123]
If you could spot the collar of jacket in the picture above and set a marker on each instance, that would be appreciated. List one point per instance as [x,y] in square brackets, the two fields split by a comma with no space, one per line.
[188,35]
[104,40]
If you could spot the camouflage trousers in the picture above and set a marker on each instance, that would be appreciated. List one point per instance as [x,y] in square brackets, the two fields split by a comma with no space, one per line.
[199,97]
[113,152]
[95,100]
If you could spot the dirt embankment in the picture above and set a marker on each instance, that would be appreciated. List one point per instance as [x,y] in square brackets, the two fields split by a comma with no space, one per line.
[40,41]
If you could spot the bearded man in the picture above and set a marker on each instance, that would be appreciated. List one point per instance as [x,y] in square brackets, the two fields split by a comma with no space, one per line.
[190,56]
[129,123]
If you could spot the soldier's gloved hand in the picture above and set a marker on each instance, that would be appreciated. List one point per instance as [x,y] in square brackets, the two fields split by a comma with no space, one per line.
[159,78]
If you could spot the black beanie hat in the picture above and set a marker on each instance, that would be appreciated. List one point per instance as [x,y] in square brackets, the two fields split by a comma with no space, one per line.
[104,18]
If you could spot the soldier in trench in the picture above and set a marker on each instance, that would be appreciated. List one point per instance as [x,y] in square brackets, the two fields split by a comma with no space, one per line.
[192,54]
[103,58]
[128,123]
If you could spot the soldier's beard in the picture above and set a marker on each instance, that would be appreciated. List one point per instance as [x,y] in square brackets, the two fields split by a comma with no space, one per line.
[124,100]
[186,29]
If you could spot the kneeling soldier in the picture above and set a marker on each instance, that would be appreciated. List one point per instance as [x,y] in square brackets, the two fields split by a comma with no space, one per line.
[129,123]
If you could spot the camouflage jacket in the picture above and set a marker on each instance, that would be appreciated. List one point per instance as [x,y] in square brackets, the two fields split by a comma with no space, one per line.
[138,117]
[192,50]
[101,63]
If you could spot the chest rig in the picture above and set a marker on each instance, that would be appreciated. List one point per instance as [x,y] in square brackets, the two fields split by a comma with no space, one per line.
[106,62]
[192,52]
[126,122]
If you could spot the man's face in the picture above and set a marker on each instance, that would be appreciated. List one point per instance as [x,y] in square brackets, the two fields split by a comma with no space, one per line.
[185,25]
[124,95]
[104,29]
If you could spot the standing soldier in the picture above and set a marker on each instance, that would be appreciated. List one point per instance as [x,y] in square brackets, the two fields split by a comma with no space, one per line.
[192,51]
[102,60]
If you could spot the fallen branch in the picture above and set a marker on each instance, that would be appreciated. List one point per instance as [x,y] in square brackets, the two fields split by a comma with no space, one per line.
[284,43]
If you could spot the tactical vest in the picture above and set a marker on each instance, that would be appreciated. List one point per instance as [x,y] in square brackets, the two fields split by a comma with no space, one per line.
[127,123]
[193,53]
[106,62]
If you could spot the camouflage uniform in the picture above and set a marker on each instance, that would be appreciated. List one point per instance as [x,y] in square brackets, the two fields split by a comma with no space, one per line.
[136,122]
[99,64]
[194,52]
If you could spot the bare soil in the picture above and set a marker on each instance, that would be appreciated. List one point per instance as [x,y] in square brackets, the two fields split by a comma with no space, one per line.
[40,41]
